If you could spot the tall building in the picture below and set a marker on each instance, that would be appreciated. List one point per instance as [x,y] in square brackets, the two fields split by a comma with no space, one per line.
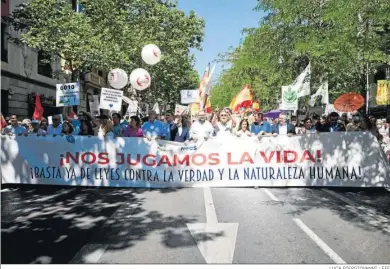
[23,74]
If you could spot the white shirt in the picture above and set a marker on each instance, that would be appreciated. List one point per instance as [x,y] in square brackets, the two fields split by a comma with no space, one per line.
[201,130]
[224,130]
[240,133]
[109,134]
[179,130]
[283,129]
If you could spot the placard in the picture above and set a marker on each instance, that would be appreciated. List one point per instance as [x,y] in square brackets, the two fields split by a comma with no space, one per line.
[68,94]
[94,105]
[189,96]
[179,110]
[111,99]
[289,98]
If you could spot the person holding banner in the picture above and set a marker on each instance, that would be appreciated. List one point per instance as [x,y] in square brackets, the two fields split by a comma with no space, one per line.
[243,129]
[283,128]
[201,128]
[118,127]
[105,127]
[180,133]
[223,123]
[134,129]
[14,128]
[35,124]
[56,127]
[67,128]
[153,128]
[260,126]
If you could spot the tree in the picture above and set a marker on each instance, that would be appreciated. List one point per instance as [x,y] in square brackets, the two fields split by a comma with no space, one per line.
[338,37]
[111,34]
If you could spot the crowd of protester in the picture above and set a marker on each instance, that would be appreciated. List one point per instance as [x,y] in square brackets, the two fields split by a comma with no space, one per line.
[183,129]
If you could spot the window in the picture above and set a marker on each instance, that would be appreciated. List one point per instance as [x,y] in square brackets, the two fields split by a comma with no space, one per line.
[4,43]
[100,73]
[44,64]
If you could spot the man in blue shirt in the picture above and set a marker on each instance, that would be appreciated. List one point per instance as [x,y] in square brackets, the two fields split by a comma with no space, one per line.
[153,128]
[260,127]
[14,128]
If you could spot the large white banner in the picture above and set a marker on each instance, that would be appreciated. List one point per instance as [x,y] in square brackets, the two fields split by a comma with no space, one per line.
[331,159]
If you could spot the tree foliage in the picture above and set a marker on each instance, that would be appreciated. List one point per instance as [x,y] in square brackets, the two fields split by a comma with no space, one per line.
[111,33]
[338,37]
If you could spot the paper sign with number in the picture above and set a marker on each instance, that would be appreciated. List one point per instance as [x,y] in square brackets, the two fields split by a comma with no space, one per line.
[111,99]
[68,94]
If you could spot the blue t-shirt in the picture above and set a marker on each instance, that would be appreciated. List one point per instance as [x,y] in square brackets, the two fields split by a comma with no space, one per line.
[256,128]
[153,129]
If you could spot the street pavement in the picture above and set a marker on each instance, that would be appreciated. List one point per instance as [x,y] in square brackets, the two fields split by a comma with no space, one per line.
[57,224]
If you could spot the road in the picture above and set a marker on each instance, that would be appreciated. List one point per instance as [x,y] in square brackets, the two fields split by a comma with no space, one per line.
[53,224]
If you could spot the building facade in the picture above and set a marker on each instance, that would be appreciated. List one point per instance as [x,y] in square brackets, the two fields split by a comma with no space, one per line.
[23,74]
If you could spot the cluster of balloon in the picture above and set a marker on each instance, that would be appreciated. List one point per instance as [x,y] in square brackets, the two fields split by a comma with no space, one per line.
[140,78]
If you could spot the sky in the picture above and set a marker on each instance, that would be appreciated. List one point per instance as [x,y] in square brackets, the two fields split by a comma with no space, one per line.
[225,20]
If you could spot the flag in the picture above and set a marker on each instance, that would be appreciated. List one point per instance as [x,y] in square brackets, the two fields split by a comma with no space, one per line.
[156,108]
[3,122]
[383,92]
[205,86]
[243,99]
[302,82]
[38,111]
[256,106]
[323,92]
[208,108]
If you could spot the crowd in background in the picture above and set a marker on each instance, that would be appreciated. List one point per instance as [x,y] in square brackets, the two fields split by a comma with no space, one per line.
[168,126]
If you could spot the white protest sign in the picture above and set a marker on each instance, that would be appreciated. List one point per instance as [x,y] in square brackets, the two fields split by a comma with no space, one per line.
[111,99]
[68,94]
[189,96]
[179,110]
[289,98]
[94,105]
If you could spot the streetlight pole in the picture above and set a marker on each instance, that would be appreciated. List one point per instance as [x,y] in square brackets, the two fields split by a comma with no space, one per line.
[367,89]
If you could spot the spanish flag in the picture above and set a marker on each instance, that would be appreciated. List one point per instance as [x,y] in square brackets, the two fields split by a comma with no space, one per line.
[256,106]
[208,108]
[383,93]
[243,99]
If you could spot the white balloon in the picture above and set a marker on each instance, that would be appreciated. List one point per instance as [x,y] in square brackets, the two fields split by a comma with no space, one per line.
[140,79]
[151,54]
[117,78]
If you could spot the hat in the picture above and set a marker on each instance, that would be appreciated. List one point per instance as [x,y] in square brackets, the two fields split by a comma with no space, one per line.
[102,117]
[35,121]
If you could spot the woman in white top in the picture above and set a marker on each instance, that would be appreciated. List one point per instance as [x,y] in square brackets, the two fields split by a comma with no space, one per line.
[224,123]
[243,129]
[106,129]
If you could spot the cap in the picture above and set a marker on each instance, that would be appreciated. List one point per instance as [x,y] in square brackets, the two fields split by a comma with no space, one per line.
[35,121]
